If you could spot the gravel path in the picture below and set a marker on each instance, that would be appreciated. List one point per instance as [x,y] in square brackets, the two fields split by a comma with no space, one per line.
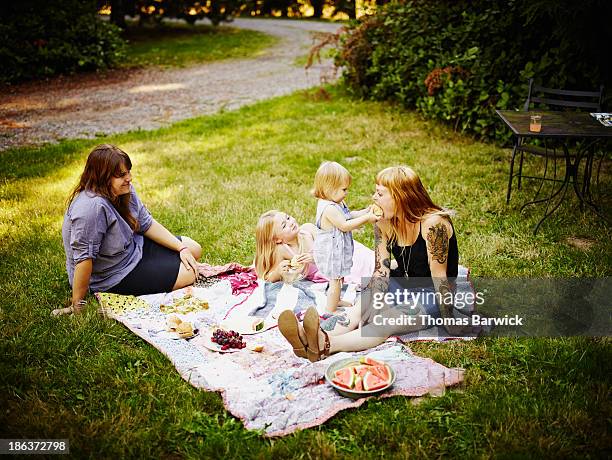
[83,106]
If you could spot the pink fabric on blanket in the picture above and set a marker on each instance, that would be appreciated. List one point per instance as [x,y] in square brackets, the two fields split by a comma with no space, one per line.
[363,264]
[242,282]
[273,391]
[313,274]
[243,279]
[208,270]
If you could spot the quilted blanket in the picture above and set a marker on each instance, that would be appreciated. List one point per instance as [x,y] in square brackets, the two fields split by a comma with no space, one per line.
[272,390]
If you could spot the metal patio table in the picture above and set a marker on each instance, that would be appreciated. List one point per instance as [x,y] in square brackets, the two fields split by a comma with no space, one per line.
[563,127]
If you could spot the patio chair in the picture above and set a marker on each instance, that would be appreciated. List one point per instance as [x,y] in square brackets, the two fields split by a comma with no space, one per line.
[549,99]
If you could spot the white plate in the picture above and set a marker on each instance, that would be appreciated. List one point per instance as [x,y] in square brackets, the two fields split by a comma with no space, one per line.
[242,325]
[175,335]
[206,341]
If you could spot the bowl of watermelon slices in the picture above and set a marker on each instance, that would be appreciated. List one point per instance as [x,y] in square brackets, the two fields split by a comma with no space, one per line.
[360,377]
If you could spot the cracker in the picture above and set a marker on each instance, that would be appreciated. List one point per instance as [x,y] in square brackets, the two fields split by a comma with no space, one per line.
[377,210]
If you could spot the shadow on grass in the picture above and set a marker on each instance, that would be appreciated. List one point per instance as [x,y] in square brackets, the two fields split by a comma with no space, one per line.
[91,380]
[27,162]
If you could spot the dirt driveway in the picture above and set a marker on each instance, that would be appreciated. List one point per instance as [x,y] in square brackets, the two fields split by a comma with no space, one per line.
[119,101]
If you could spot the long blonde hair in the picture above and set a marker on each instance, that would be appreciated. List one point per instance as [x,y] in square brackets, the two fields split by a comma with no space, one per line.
[265,244]
[330,177]
[412,202]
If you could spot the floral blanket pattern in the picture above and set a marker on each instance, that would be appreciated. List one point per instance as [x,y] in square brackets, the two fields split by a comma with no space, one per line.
[272,391]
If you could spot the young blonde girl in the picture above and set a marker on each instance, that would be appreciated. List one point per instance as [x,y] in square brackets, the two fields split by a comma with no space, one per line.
[411,220]
[279,240]
[333,245]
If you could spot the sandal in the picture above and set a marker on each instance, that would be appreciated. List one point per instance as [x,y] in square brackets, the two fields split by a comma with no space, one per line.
[288,326]
[312,328]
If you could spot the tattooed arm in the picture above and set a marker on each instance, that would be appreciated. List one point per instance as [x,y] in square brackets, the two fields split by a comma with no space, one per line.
[382,263]
[379,282]
[438,232]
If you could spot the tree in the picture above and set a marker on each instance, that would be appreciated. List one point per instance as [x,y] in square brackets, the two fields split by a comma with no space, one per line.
[216,11]
[318,7]
[345,6]
[117,16]
[41,38]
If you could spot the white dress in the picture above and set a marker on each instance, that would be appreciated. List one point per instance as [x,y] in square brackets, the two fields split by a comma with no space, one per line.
[333,248]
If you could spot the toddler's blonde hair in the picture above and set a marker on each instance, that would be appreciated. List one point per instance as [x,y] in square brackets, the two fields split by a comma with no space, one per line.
[330,177]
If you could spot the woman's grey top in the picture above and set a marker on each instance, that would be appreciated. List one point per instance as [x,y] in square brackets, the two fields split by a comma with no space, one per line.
[94,229]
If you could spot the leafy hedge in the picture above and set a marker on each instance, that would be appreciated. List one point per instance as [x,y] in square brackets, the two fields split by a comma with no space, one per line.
[40,38]
[459,60]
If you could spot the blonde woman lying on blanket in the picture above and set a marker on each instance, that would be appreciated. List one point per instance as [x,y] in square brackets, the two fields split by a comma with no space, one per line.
[422,239]
[279,240]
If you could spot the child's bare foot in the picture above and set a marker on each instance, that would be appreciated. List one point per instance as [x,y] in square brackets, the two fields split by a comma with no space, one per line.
[344,303]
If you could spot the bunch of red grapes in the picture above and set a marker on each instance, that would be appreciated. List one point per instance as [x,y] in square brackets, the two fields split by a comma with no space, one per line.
[227,339]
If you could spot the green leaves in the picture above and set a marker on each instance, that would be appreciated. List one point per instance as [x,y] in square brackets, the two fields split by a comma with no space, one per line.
[488,42]
[54,40]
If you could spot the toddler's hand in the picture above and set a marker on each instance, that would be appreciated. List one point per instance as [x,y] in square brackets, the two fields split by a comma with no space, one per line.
[372,217]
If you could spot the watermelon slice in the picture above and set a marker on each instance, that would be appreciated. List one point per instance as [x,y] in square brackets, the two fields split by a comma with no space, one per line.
[345,378]
[359,384]
[371,382]
[382,372]
[361,370]
[370,362]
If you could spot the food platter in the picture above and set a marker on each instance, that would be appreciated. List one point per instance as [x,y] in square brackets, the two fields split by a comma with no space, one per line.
[206,341]
[351,393]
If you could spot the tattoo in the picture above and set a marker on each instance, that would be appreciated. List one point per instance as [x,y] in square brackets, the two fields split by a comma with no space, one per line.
[381,263]
[447,307]
[437,242]
[379,283]
[446,292]
[329,324]
[447,303]
[380,278]
[377,239]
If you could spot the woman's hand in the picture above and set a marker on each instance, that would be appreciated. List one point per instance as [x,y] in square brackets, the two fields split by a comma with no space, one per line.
[80,286]
[188,260]
[305,258]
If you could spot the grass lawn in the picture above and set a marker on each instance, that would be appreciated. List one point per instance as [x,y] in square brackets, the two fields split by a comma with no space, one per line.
[178,44]
[90,380]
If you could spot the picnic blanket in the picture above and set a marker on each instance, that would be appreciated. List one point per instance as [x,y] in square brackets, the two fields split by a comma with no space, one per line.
[272,391]
[268,300]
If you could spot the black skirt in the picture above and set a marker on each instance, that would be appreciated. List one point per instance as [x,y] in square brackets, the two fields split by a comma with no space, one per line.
[156,272]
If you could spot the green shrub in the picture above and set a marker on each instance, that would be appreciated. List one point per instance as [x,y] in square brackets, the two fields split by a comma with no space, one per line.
[43,38]
[458,61]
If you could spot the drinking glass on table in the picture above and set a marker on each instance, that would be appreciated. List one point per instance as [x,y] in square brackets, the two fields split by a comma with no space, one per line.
[535,123]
